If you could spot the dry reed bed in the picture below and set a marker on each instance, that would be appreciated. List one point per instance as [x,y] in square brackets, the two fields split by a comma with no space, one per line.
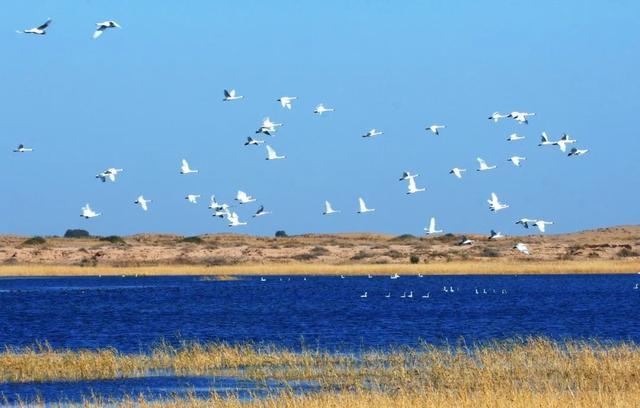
[530,365]
[484,267]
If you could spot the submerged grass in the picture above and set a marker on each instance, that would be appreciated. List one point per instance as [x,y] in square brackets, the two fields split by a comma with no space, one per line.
[521,372]
[483,267]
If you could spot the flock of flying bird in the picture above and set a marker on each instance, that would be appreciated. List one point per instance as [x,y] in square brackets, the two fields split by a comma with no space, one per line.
[269,128]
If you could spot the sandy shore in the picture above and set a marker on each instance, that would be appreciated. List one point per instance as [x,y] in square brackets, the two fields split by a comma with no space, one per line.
[607,250]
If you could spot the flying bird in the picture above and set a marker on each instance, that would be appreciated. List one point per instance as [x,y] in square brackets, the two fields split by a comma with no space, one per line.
[244,198]
[39,30]
[373,133]
[494,203]
[496,116]
[320,109]
[230,95]
[495,235]
[285,101]
[253,142]
[363,207]
[465,241]
[412,188]
[516,160]
[87,212]
[109,174]
[406,175]
[483,165]
[261,211]
[272,155]
[105,25]
[456,171]
[577,152]
[268,127]
[192,198]
[522,248]
[431,229]
[520,117]
[541,224]
[234,220]
[514,137]
[185,169]
[564,141]
[142,202]
[328,209]
[525,222]
[22,149]
[435,129]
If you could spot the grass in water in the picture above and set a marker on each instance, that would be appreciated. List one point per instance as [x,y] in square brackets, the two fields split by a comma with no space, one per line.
[513,373]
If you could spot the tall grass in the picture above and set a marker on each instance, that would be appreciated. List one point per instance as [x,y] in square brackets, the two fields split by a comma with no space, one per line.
[483,267]
[514,373]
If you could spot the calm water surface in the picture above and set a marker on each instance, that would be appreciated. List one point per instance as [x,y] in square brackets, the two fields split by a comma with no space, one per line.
[131,314]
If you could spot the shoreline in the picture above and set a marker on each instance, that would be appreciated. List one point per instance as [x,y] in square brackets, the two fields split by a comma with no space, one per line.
[484,267]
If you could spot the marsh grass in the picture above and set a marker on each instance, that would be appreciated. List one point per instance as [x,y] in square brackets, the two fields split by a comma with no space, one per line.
[488,266]
[512,373]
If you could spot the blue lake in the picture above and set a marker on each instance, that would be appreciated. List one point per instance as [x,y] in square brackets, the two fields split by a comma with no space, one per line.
[132,314]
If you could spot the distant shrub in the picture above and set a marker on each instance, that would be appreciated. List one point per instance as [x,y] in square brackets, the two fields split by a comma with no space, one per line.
[361,255]
[35,241]
[304,257]
[490,253]
[404,237]
[114,239]
[627,253]
[281,234]
[319,251]
[392,253]
[414,259]
[76,233]
[193,240]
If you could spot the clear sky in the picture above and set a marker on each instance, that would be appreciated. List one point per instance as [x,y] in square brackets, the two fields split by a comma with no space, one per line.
[146,96]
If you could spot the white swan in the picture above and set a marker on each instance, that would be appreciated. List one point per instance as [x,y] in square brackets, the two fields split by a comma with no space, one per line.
[234,220]
[39,30]
[456,171]
[285,101]
[192,198]
[261,211]
[244,198]
[516,160]
[253,142]
[320,109]
[364,295]
[483,165]
[577,152]
[514,137]
[185,169]
[373,133]
[432,228]
[520,117]
[22,149]
[272,155]
[495,235]
[412,188]
[142,202]
[362,207]
[496,116]
[328,209]
[435,129]
[109,174]
[105,25]
[494,203]
[230,95]
[522,248]
[87,212]
[541,224]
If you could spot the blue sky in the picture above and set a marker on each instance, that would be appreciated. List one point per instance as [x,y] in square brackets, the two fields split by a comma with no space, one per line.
[144,97]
